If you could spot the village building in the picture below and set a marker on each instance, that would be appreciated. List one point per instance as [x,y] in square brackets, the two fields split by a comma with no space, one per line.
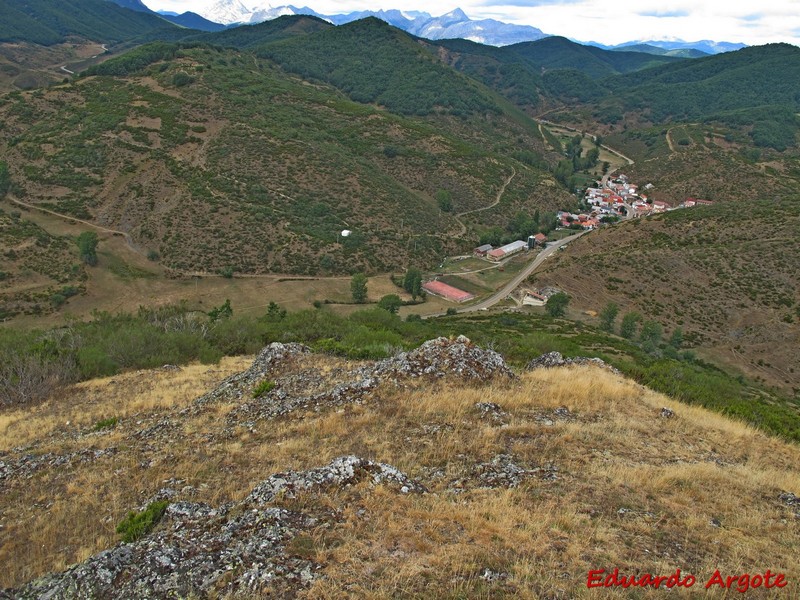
[507,250]
[448,292]
[660,206]
[483,250]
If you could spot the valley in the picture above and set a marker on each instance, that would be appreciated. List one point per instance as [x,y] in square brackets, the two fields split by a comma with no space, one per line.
[332,307]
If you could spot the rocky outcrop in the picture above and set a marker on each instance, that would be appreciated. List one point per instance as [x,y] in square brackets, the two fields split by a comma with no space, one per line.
[343,471]
[200,552]
[241,384]
[555,359]
[443,356]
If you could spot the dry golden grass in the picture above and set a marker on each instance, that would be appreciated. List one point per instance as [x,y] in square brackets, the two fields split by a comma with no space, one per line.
[633,490]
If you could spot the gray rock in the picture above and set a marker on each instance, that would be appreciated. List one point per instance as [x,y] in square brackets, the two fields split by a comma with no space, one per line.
[345,470]
[236,386]
[553,359]
[201,552]
[443,356]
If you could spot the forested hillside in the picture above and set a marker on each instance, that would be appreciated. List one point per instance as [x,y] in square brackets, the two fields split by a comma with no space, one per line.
[218,160]
[49,22]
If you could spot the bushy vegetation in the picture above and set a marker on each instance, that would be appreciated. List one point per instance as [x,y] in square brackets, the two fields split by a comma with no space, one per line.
[49,22]
[177,335]
[263,388]
[137,59]
[137,524]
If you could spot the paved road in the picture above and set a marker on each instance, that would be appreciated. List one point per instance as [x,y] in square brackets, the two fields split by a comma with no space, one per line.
[518,279]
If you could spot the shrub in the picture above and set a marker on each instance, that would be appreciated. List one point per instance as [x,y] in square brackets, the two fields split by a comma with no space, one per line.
[181,79]
[390,302]
[262,388]
[557,304]
[135,525]
[94,362]
[87,244]
[103,424]
[608,315]
[358,288]
[630,323]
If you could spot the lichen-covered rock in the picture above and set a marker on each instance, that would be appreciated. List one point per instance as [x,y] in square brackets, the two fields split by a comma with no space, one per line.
[241,384]
[201,552]
[792,501]
[443,356]
[25,466]
[553,359]
[492,411]
[345,470]
[278,402]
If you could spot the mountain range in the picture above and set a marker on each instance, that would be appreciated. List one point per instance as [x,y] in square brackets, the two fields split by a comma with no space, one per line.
[453,25]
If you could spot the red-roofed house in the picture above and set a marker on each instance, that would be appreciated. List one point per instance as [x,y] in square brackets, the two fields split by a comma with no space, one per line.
[448,292]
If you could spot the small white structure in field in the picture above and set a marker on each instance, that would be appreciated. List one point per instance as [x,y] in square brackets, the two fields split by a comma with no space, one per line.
[346,233]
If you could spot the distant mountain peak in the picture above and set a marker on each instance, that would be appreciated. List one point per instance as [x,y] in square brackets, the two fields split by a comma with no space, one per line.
[227,12]
[456,14]
[455,24]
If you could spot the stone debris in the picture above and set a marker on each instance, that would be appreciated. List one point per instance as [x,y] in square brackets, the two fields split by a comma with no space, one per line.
[278,402]
[792,501]
[490,410]
[666,413]
[201,552]
[501,472]
[555,359]
[490,575]
[241,384]
[342,471]
[562,413]
[442,356]
[27,465]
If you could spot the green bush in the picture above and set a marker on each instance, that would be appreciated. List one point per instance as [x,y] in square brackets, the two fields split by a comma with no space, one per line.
[391,303]
[181,79]
[135,525]
[104,424]
[94,362]
[262,388]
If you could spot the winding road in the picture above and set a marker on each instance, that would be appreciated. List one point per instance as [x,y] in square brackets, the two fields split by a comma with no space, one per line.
[492,205]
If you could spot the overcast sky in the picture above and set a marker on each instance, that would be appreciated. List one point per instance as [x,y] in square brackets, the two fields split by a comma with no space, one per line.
[605,21]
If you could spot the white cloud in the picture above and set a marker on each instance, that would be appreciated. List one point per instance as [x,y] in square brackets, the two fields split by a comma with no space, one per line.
[607,21]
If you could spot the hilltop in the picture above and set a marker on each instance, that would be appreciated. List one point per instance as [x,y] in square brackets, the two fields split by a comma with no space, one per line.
[437,472]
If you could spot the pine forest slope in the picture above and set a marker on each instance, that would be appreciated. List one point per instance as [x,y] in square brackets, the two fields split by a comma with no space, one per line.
[248,36]
[217,159]
[375,63]
[560,53]
[50,22]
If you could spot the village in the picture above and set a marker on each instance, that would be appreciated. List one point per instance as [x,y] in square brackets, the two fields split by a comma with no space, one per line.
[610,201]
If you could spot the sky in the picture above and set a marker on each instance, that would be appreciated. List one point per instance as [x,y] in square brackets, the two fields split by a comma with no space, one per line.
[604,21]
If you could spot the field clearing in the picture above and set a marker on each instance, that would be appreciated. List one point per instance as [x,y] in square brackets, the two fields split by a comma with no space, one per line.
[564,135]
[465,265]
